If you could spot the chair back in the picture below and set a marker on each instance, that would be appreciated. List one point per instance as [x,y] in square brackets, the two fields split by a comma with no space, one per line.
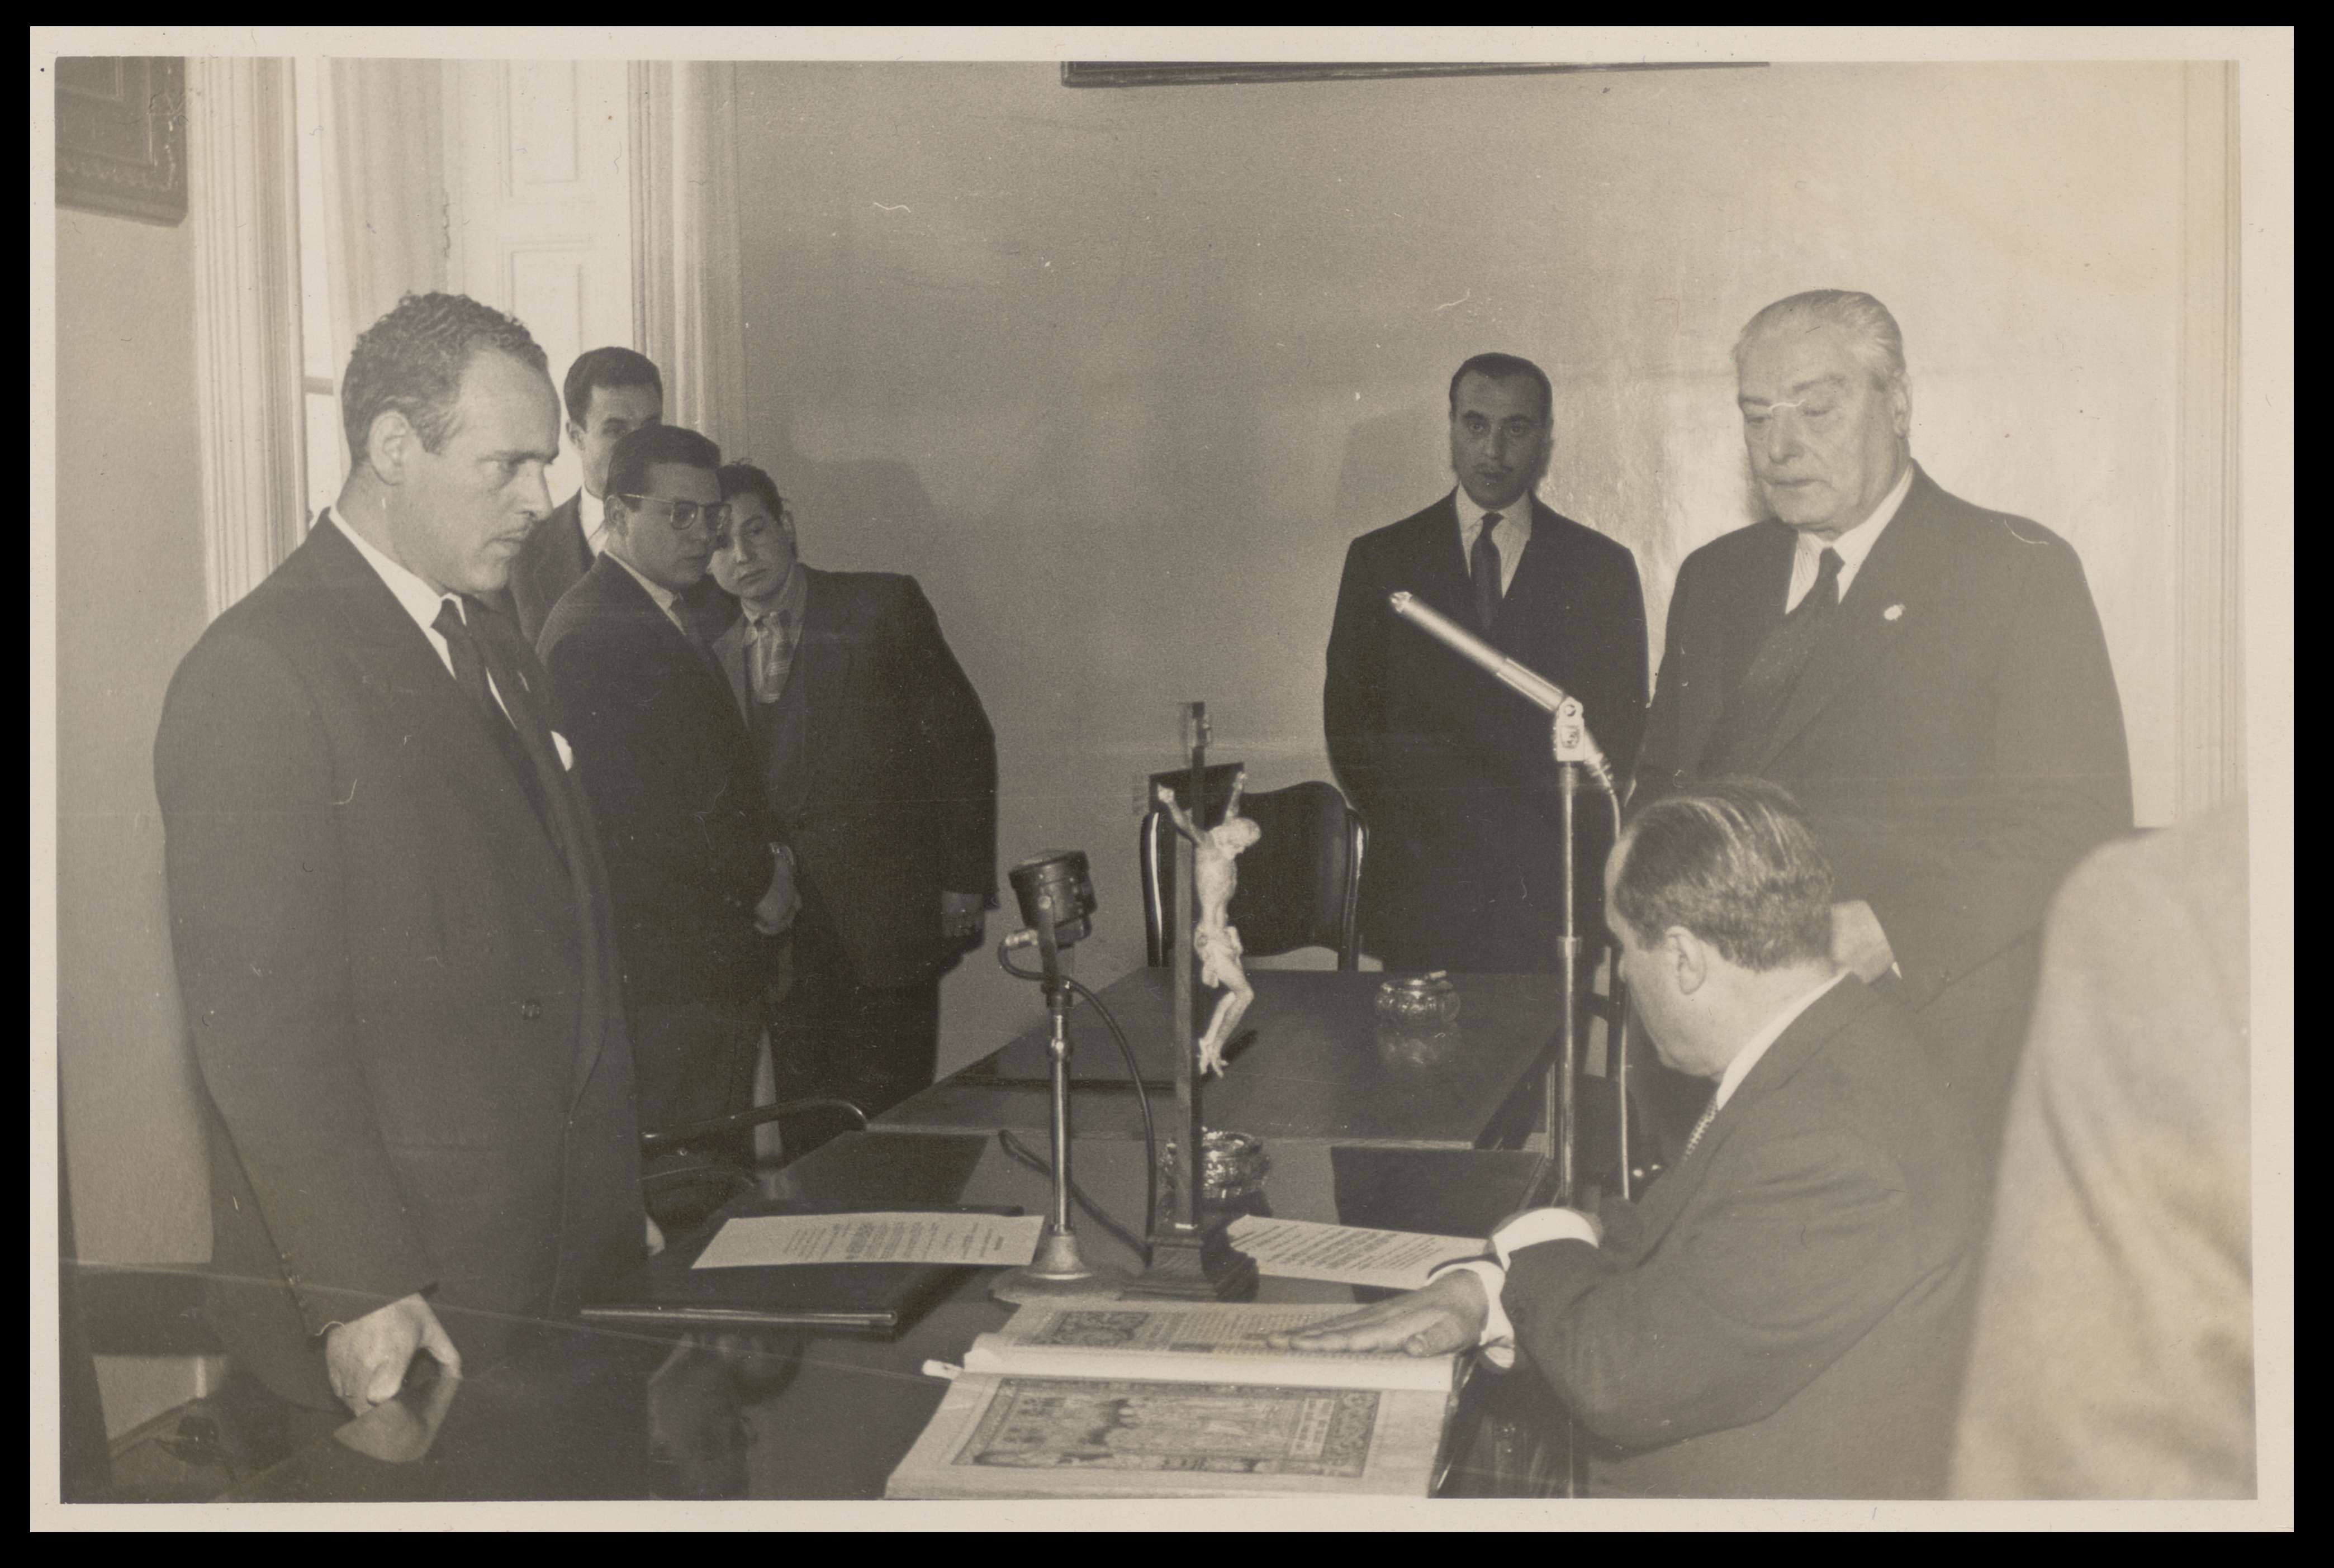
[1299,884]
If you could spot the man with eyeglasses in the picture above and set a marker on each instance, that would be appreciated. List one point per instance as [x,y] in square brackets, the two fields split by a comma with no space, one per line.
[879,773]
[666,760]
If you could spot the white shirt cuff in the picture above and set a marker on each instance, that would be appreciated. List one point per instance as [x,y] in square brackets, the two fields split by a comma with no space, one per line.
[1536,1225]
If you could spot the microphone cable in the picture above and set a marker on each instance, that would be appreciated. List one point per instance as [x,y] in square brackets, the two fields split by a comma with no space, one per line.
[1141,1100]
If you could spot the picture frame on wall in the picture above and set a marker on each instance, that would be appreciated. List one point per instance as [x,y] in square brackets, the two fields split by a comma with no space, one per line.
[121,136]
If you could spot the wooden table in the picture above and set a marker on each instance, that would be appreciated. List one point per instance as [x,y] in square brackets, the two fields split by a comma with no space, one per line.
[589,1413]
[1306,1064]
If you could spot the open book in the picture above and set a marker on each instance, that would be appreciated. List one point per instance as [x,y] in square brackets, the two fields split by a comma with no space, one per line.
[1178,1399]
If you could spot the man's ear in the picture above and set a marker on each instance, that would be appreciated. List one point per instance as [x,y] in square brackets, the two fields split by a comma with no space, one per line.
[1687,957]
[390,446]
[574,434]
[1900,408]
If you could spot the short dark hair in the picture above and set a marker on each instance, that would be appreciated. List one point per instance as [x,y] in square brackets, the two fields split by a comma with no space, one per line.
[608,367]
[410,361]
[738,478]
[644,449]
[1506,368]
[1734,861]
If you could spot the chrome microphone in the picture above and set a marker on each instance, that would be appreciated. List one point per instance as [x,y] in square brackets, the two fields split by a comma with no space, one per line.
[1573,741]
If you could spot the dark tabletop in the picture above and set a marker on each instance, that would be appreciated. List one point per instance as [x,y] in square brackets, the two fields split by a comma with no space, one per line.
[613,1414]
[1307,1063]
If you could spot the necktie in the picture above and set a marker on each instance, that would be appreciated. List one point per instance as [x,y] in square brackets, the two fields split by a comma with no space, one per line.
[1483,564]
[1700,1128]
[773,659]
[470,675]
[1777,666]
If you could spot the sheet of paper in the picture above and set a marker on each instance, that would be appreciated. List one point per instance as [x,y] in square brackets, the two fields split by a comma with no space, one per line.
[764,1241]
[1347,1255]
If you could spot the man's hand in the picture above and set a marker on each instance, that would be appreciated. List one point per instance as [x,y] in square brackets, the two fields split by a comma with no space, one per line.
[1857,942]
[775,915]
[961,917]
[1447,1316]
[366,1360]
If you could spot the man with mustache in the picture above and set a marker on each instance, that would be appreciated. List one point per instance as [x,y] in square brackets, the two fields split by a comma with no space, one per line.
[1453,770]
[668,764]
[388,906]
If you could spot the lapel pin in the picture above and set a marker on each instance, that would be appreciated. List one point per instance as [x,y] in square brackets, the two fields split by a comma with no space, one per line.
[1894,612]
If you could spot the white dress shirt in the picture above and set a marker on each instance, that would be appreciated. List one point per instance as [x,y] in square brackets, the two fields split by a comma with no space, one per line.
[1541,1225]
[1852,547]
[591,515]
[666,599]
[418,599]
[1513,532]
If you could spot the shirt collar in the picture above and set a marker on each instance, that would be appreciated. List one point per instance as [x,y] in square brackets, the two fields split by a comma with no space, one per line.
[666,599]
[591,513]
[787,604]
[1856,543]
[418,599]
[1748,1057]
[1515,519]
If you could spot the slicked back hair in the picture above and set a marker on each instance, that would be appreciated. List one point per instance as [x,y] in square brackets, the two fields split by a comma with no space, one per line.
[744,478]
[411,361]
[1872,332]
[1734,862]
[644,449]
[608,367]
[1506,368]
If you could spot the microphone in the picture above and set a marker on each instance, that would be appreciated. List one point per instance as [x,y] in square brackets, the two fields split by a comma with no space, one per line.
[1573,741]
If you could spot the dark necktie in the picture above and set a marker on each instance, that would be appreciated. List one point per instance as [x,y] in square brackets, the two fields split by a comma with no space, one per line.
[1759,700]
[1483,565]
[462,647]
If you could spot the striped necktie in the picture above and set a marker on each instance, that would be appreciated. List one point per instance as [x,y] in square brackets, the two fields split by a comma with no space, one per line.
[1700,1128]
[773,658]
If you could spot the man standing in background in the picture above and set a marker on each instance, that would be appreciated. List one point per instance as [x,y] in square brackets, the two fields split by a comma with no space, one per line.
[662,752]
[1928,677]
[388,908]
[1453,770]
[611,393]
[879,773]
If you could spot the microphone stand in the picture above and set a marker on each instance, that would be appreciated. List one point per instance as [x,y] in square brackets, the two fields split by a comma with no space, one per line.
[1058,1269]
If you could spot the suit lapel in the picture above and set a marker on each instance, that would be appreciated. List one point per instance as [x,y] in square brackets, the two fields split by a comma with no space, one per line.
[730,651]
[1826,1017]
[1861,631]
[420,701]
[1436,566]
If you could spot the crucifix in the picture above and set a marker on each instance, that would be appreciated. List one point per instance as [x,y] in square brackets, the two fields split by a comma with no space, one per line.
[1191,1256]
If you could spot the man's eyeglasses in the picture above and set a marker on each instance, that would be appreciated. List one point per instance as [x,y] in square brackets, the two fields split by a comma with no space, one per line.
[683,516]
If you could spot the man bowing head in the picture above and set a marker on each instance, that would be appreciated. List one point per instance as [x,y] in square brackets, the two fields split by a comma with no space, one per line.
[388,910]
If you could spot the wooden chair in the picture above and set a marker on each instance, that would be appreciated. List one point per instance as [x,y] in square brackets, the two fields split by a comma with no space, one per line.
[1299,886]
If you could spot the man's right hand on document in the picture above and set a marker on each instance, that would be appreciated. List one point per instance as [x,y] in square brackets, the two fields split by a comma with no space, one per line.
[1447,1316]
[366,1360]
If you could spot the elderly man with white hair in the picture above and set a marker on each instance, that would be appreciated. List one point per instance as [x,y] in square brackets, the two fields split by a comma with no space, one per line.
[1928,677]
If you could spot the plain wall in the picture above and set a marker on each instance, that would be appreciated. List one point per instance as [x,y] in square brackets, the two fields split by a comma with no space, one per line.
[130,603]
[1117,373]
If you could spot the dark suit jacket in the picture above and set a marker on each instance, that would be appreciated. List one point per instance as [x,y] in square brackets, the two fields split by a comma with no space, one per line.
[1778,1316]
[552,560]
[1452,769]
[902,805]
[401,988]
[665,758]
[1956,739]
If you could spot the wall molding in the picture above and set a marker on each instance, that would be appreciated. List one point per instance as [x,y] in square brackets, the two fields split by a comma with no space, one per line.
[243,191]
[688,313]
[2209,617]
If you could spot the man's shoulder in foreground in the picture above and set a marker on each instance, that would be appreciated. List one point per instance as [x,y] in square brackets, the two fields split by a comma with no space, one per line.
[605,602]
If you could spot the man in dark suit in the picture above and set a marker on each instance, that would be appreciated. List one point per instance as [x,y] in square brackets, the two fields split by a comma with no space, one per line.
[1453,770]
[611,393]
[1777,1317]
[1929,678]
[879,772]
[388,906]
[672,780]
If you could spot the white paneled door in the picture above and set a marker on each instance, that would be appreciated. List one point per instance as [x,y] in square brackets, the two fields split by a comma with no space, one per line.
[541,193]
